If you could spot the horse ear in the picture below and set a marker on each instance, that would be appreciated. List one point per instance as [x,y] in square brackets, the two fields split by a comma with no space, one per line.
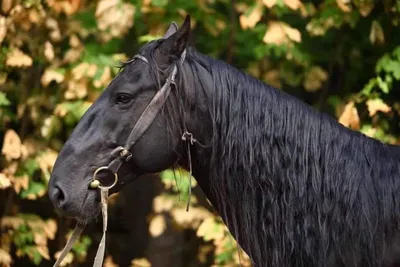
[173,28]
[174,45]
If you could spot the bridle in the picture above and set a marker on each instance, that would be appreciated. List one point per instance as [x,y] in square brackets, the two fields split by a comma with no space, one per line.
[122,154]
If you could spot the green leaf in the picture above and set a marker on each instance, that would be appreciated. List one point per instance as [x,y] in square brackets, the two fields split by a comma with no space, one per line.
[159,3]
[382,85]
[30,166]
[224,257]
[87,19]
[34,189]
[81,247]
[4,100]
[396,52]
[394,67]
[148,38]
[178,181]
[382,63]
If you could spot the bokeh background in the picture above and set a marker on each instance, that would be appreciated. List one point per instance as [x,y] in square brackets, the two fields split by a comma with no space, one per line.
[340,56]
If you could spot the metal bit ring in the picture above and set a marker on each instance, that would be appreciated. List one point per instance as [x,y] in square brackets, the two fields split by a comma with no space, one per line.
[97,182]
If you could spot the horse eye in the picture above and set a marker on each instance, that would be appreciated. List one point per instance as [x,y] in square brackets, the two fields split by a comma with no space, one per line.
[123,99]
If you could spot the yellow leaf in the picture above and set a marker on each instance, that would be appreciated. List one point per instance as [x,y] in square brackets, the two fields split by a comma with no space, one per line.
[50,229]
[344,5]
[376,36]
[3,28]
[76,89]
[20,182]
[104,5]
[73,55]
[11,222]
[275,33]
[205,227]
[140,263]
[67,260]
[250,20]
[365,6]
[6,5]
[314,79]
[375,105]
[119,57]
[74,41]
[48,51]
[273,77]
[79,71]
[308,11]
[104,79]
[4,181]
[51,75]
[12,146]
[157,225]
[293,4]
[91,71]
[349,117]
[190,219]
[292,33]
[280,32]
[46,161]
[241,7]
[60,111]
[39,238]
[5,258]
[43,251]
[370,132]
[75,4]
[316,29]
[108,262]
[66,6]
[115,16]
[209,230]
[161,203]
[16,58]
[269,3]
[11,169]
[35,16]
[52,25]
[3,78]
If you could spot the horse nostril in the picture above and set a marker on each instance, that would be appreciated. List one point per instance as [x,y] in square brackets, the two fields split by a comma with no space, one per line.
[59,196]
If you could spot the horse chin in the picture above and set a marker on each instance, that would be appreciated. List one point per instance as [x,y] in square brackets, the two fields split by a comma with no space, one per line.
[88,217]
[89,212]
[89,207]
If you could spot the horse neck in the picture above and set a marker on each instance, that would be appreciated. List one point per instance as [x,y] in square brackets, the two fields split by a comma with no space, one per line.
[270,152]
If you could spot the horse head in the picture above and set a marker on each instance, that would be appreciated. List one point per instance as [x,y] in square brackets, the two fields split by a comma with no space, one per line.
[129,126]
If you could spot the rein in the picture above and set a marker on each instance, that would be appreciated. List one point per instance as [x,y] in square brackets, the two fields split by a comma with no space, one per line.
[122,154]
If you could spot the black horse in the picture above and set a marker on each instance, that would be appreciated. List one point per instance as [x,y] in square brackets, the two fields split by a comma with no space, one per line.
[294,187]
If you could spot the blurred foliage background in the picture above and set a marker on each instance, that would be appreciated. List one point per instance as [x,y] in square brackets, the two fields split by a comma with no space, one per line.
[340,56]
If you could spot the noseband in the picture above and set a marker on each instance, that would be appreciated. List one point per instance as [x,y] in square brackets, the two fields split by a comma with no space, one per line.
[122,154]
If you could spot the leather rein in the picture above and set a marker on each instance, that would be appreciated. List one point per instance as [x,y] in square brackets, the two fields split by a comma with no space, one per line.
[122,154]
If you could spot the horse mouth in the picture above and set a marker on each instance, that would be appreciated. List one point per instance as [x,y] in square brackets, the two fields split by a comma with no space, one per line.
[90,206]
[86,209]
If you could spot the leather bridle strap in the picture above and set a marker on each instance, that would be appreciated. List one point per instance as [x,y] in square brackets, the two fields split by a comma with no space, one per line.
[122,154]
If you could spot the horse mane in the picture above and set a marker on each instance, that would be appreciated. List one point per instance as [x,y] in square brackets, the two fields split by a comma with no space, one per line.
[296,187]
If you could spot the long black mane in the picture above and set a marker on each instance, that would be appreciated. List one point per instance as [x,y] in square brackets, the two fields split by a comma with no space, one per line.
[295,187]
